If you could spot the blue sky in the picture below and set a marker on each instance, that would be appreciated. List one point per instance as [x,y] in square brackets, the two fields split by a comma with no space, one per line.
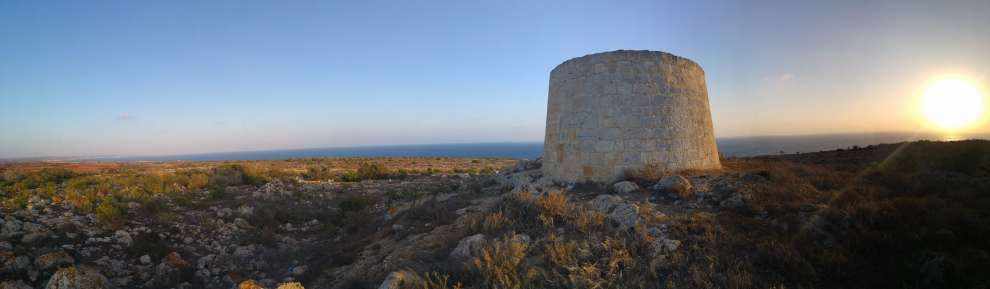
[168,77]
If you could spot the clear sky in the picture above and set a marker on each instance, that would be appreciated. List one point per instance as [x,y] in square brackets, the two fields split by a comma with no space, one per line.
[167,77]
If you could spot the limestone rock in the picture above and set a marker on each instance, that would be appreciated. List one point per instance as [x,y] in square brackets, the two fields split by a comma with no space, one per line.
[468,247]
[625,216]
[662,246]
[605,203]
[521,239]
[674,185]
[670,244]
[625,187]
[80,277]
[123,238]
[245,210]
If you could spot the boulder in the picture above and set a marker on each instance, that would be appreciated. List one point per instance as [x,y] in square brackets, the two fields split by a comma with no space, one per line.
[670,244]
[605,203]
[663,246]
[524,178]
[468,247]
[245,210]
[123,238]
[625,187]
[676,185]
[78,277]
[528,165]
[521,239]
[625,216]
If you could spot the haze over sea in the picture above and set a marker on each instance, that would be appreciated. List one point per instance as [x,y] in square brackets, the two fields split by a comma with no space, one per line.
[728,147]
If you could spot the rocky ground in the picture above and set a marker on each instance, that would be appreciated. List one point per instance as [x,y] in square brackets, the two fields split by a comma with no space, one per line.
[218,244]
[512,229]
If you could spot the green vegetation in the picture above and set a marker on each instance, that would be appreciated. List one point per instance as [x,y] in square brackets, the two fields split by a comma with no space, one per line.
[105,189]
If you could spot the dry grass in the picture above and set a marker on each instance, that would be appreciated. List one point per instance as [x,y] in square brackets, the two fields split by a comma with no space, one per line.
[501,265]
[915,220]
[432,280]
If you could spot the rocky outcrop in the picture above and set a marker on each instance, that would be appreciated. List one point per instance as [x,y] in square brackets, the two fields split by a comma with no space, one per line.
[622,214]
[676,185]
[468,247]
[625,216]
[605,203]
[625,187]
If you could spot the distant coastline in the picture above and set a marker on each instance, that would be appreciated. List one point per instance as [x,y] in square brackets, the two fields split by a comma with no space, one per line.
[729,147]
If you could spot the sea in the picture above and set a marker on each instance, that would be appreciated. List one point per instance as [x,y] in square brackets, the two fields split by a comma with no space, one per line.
[728,147]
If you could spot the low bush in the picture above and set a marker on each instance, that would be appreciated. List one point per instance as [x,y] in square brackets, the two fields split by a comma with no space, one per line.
[109,212]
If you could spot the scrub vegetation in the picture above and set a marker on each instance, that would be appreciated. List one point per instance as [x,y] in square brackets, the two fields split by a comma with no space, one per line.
[909,215]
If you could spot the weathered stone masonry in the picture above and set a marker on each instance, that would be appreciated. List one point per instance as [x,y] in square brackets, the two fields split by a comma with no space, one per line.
[614,111]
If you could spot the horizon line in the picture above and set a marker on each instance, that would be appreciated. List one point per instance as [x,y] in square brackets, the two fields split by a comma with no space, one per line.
[110,156]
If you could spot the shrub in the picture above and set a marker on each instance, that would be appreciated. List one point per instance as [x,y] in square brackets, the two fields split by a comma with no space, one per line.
[227,175]
[372,171]
[317,173]
[365,171]
[502,265]
[433,280]
[109,212]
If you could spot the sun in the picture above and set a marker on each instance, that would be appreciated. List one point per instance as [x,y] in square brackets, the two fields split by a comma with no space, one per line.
[952,104]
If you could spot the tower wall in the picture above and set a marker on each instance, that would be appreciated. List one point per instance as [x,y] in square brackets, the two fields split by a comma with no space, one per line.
[615,111]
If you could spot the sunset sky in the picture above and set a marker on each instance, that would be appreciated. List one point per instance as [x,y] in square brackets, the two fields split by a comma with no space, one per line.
[142,78]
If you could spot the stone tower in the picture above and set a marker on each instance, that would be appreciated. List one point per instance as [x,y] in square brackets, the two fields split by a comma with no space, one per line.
[615,111]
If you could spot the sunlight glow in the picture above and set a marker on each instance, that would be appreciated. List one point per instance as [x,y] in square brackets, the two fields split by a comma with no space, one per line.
[952,104]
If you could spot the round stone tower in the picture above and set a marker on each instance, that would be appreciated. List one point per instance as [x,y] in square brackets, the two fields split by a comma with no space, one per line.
[611,112]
